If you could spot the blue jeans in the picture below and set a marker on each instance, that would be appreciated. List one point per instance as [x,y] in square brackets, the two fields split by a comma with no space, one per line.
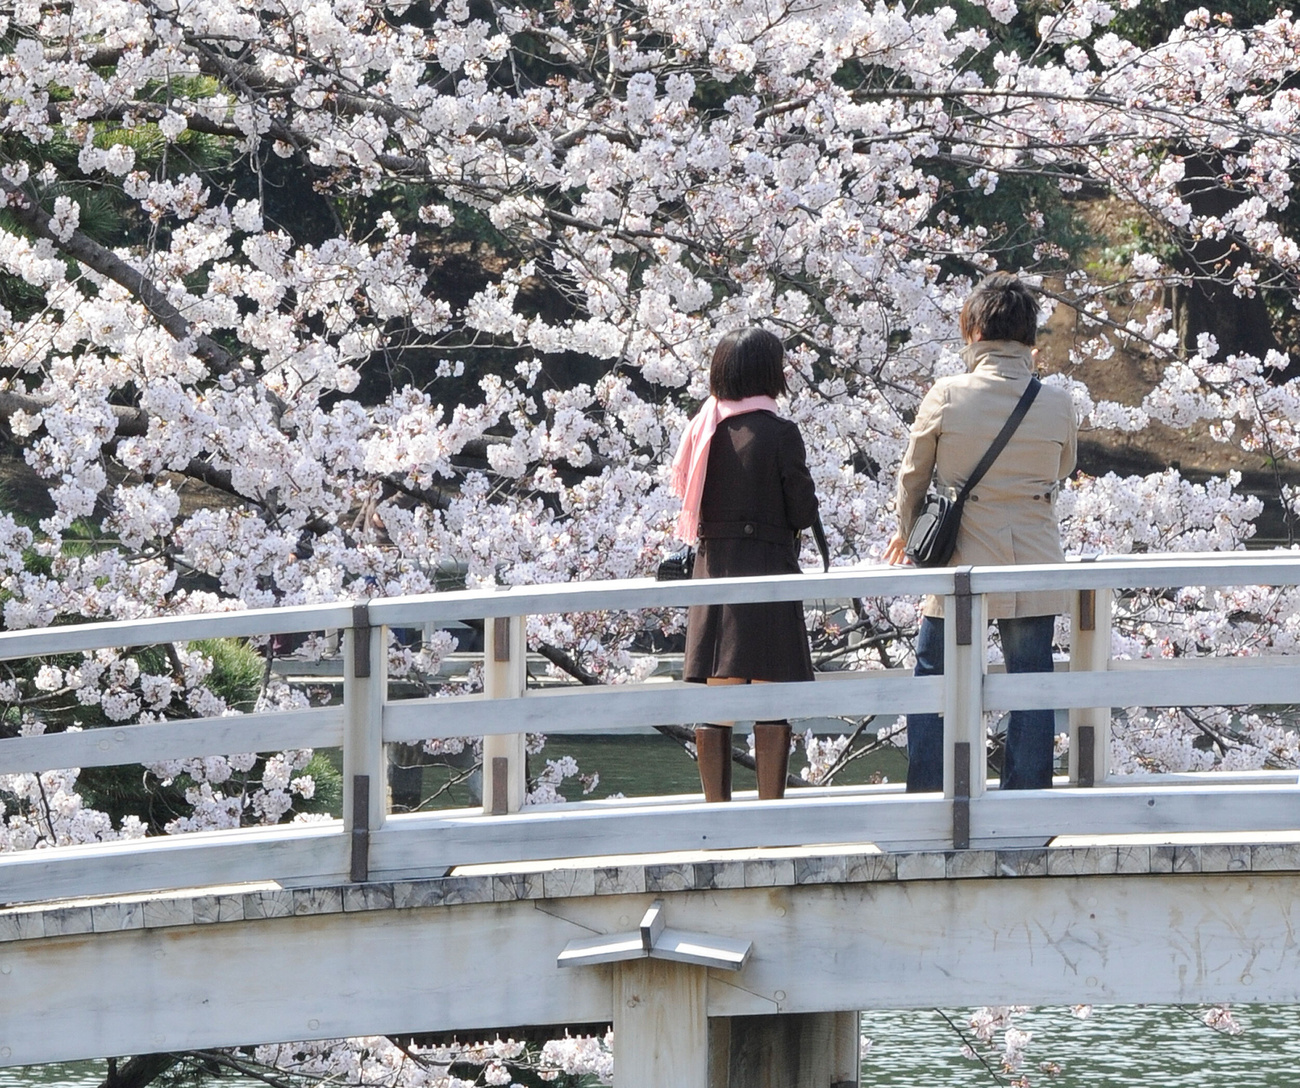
[1027,764]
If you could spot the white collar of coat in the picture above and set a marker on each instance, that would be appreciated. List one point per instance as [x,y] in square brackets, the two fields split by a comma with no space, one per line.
[1006,358]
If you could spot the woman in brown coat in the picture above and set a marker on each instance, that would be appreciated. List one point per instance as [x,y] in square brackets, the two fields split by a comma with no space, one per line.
[743,476]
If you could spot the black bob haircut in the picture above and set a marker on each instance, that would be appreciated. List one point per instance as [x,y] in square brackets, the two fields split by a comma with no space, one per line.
[747,363]
[1000,308]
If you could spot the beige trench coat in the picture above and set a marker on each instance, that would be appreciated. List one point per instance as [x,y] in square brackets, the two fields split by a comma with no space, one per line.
[1010,517]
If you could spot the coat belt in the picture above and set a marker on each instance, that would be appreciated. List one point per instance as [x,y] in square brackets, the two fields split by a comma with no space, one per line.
[746,530]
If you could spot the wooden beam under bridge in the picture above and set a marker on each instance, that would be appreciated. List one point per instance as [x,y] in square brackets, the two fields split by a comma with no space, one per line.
[861,931]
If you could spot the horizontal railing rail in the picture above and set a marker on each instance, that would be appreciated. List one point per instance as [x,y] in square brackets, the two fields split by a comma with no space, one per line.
[369,842]
[1163,570]
[109,746]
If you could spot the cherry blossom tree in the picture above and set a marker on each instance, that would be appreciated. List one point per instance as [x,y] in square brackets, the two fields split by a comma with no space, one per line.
[316,299]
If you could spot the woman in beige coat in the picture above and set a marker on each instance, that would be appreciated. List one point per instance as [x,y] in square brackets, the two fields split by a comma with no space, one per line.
[1010,517]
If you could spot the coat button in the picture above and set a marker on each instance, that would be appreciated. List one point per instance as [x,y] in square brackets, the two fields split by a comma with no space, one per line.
[1037,497]
[749,530]
[974,498]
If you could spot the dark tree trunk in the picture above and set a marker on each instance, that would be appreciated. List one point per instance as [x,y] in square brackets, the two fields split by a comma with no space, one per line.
[140,1071]
[1239,323]
[406,776]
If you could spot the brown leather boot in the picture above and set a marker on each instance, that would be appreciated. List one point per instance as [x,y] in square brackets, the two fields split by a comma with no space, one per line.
[713,754]
[772,755]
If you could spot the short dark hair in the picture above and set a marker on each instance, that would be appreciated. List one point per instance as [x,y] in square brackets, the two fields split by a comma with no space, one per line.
[748,363]
[1000,308]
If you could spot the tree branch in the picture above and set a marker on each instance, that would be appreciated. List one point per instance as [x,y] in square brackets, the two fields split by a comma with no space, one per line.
[139,1071]
[107,263]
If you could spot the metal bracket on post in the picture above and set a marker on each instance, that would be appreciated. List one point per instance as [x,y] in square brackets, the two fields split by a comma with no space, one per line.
[360,870]
[961,796]
[361,640]
[500,785]
[654,940]
[1087,754]
[1087,610]
[961,589]
[1088,601]
[501,639]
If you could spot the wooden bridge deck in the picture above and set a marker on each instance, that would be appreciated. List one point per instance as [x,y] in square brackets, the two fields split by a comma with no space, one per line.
[700,871]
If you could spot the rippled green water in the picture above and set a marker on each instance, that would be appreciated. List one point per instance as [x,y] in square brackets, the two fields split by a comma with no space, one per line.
[650,764]
[1117,1045]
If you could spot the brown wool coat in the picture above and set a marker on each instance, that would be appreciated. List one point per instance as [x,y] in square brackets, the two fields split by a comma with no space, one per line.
[1010,517]
[757,476]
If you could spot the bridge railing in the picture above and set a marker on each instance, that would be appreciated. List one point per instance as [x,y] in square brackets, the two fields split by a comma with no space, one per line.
[369,843]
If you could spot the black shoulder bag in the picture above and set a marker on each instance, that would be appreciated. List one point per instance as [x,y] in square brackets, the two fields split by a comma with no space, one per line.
[676,565]
[933,538]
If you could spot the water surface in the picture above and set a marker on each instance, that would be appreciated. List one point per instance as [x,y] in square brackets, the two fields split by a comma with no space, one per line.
[1145,1045]
[1135,1045]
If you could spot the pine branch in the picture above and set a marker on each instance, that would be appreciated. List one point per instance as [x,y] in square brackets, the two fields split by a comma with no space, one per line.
[80,247]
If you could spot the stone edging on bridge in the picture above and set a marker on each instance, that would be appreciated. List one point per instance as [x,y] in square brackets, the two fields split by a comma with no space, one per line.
[239,904]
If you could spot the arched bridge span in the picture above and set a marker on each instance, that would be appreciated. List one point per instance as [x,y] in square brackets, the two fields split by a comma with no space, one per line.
[456,920]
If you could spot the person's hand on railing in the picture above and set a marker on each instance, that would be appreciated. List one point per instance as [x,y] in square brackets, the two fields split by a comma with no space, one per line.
[896,550]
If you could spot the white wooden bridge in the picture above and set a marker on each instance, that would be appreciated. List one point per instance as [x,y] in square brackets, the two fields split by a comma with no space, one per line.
[832,900]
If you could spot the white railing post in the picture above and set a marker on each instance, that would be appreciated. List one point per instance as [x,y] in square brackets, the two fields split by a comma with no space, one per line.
[505,675]
[365,770]
[965,660]
[1090,627]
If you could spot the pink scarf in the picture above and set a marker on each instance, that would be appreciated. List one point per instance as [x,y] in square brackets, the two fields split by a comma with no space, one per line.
[692,458]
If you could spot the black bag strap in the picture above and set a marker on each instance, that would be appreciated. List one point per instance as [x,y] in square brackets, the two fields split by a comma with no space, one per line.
[819,535]
[1004,436]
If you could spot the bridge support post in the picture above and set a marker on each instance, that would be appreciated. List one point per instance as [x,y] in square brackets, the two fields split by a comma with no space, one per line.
[789,1050]
[661,1026]
[365,684]
[965,652]
[505,675]
[1090,625]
